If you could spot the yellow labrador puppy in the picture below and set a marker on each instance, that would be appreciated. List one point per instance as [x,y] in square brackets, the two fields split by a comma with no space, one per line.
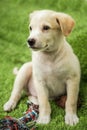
[54,69]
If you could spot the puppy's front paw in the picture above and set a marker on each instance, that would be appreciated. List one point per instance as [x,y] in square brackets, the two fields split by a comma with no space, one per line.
[71,119]
[10,105]
[43,119]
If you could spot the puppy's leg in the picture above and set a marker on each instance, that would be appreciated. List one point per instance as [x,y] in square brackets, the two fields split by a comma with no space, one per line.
[33,99]
[20,82]
[71,103]
[44,106]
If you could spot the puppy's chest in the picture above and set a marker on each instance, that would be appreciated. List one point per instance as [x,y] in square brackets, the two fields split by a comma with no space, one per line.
[48,70]
[51,73]
[52,76]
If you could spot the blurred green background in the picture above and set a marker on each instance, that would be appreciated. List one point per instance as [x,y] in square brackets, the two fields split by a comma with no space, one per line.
[14,15]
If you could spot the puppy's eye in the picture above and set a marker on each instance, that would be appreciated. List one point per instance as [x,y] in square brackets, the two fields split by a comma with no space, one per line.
[45,27]
[30,28]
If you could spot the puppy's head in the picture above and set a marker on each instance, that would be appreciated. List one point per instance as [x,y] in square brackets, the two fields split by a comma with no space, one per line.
[47,29]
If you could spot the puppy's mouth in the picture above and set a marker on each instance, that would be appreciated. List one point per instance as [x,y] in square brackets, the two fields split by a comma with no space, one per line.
[39,48]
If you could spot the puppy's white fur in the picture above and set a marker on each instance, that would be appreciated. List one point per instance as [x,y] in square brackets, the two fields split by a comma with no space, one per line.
[54,69]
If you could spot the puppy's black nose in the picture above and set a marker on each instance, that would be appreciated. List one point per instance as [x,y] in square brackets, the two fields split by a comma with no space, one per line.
[31,42]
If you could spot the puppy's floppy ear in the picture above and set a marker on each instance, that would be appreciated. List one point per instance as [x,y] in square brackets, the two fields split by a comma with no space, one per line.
[66,23]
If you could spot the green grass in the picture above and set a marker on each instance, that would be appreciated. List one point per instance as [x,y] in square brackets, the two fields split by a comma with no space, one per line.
[14,52]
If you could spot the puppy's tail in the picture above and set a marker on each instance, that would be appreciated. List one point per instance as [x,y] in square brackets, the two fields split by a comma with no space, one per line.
[15,71]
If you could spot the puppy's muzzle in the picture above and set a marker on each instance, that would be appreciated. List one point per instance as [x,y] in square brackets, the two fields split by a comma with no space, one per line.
[31,42]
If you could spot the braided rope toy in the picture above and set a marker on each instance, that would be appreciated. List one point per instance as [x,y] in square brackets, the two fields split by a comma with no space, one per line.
[27,122]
